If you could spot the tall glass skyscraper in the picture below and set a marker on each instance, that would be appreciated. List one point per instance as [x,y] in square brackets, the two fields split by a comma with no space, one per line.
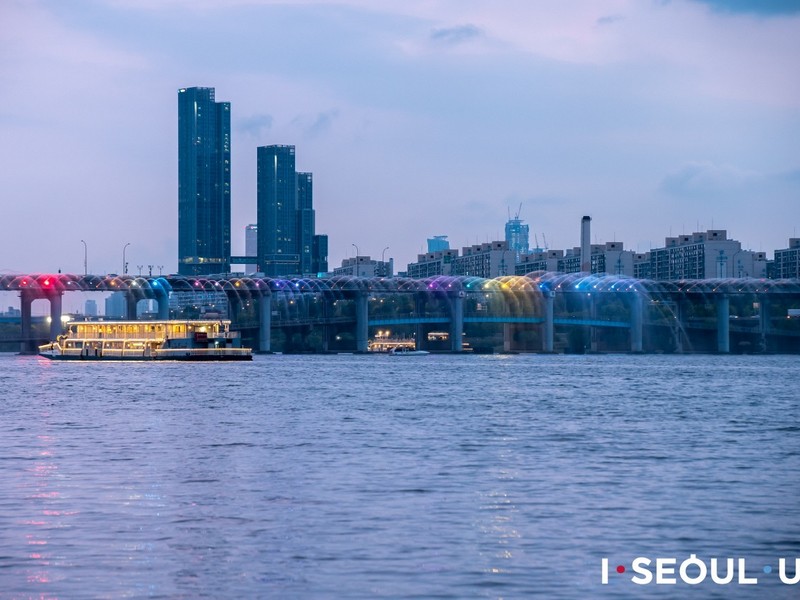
[276,190]
[517,237]
[204,183]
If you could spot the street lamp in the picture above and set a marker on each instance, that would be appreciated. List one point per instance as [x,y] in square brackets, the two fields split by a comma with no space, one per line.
[85,258]
[356,247]
[384,270]
[124,264]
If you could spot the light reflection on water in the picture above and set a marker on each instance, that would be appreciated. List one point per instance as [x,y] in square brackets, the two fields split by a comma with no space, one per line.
[374,476]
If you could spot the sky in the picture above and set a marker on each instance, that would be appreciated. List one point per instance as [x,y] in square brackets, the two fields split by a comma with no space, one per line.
[417,118]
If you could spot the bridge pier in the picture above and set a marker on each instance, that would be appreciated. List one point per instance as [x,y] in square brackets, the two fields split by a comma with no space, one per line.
[56,301]
[763,322]
[419,333]
[362,322]
[130,306]
[265,322]
[457,322]
[26,299]
[637,322]
[593,317]
[547,326]
[723,324]
[681,310]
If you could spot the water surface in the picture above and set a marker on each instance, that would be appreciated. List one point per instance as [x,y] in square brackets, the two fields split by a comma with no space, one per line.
[399,477]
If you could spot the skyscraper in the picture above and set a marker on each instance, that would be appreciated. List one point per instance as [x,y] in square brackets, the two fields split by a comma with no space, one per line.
[204,182]
[276,189]
[438,243]
[319,255]
[305,220]
[517,236]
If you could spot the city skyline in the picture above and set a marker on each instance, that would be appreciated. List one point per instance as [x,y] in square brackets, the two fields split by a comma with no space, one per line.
[415,120]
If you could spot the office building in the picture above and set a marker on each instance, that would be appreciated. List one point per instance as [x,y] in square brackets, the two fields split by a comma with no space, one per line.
[251,247]
[204,183]
[438,243]
[517,234]
[116,306]
[90,308]
[787,261]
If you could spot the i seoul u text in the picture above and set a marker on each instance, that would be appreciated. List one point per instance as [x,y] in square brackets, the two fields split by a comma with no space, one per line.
[694,570]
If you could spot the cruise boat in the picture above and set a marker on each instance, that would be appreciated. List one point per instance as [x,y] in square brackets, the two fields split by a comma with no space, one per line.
[406,351]
[207,340]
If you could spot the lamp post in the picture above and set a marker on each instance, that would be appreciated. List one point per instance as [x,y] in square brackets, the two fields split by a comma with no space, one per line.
[356,247]
[384,270]
[85,258]
[124,264]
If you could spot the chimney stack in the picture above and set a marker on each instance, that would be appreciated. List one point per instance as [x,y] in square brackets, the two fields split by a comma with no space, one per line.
[586,244]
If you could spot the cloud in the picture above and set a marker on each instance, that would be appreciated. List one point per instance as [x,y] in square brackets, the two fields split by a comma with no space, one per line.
[699,178]
[764,8]
[255,125]
[609,19]
[316,125]
[456,35]
[709,180]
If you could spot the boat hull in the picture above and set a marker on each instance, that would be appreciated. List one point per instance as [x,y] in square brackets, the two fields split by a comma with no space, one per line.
[175,357]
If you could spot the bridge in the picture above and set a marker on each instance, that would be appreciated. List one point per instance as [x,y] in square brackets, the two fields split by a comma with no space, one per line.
[684,313]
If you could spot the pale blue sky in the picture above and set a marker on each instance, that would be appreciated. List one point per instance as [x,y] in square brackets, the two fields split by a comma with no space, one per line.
[417,118]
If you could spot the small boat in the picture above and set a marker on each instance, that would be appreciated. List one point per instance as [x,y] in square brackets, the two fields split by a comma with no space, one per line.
[406,351]
[207,340]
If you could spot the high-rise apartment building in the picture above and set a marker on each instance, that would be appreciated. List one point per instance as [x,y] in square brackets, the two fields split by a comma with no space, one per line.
[287,244]
[204,182]
[305,220]
[705,255]
[319,254]
[278,247]
[787,261]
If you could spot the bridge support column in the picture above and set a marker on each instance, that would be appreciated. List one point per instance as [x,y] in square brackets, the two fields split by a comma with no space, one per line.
[723,324]
[637,322]
[163,307]
[681,310]
[457,322]
[362,322]
[26,299]
[130,306]
[764,322]
[55,315]
[419,330]
[234,307]
[547,326]
[265,323]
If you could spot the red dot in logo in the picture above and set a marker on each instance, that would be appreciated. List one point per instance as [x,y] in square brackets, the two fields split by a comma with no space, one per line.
[620,569]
